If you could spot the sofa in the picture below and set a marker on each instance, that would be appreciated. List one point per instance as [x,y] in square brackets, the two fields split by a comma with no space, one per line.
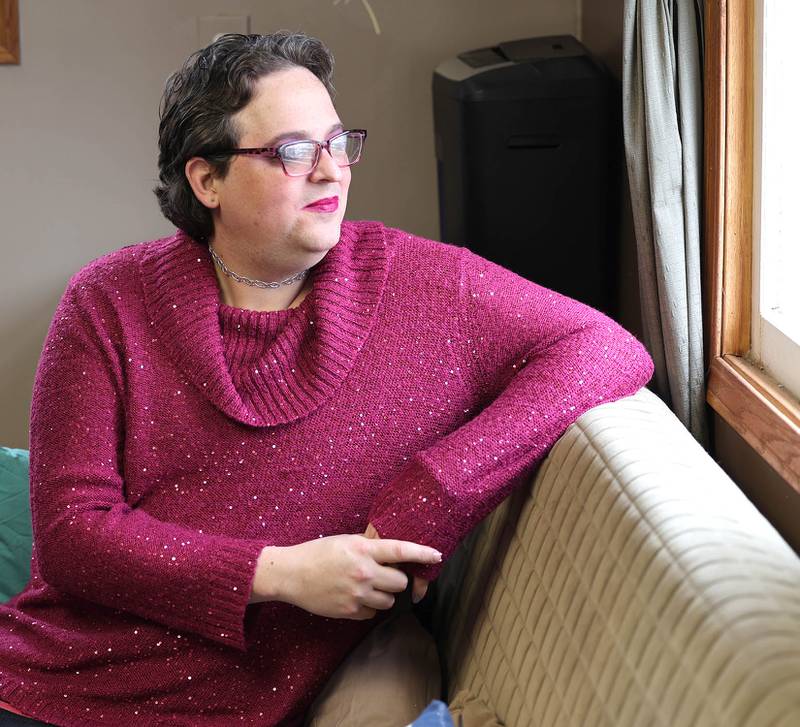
[629,583]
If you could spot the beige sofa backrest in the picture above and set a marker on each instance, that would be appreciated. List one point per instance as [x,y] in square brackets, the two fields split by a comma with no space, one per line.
[631,584]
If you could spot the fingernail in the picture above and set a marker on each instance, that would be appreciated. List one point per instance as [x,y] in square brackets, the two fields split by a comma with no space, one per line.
[416,598]
[437,555]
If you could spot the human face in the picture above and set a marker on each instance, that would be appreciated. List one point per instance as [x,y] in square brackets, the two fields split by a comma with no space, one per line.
[260,208]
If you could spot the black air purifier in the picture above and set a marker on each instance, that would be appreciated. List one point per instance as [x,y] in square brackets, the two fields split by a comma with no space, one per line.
[528,145]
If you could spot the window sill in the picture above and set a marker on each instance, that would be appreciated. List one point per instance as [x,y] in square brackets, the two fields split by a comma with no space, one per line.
[760,411]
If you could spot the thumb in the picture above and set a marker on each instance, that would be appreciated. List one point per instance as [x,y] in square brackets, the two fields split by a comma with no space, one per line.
[419,589]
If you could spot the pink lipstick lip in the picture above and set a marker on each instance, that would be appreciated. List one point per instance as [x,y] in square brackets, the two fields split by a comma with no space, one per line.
[329,204]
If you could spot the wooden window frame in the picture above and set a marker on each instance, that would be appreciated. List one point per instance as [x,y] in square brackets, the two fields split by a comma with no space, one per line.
[746,397]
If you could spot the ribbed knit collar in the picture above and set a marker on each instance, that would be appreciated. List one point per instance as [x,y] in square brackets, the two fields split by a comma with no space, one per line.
[310,355]
[246,334]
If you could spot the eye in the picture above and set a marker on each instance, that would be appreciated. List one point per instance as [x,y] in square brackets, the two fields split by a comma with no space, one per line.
[300,151]
[339,142]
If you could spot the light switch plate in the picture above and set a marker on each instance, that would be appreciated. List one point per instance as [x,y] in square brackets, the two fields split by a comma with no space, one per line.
[209,27]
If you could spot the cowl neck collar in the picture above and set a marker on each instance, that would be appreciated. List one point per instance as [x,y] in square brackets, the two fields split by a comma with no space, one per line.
[312,353]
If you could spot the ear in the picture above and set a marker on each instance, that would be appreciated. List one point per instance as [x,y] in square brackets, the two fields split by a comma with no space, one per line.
[200,176]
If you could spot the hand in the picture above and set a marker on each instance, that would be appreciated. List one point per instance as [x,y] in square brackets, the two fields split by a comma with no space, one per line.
[344,576]
[420,587]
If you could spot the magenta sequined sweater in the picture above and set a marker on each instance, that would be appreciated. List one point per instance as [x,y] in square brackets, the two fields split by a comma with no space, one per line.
[173,437]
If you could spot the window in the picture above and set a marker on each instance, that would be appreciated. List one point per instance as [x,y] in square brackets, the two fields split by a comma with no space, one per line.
[775,329]
[751,394]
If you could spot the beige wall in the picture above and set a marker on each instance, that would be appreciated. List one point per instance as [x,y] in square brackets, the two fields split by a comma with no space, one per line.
[601,32]
[601,26]
[78,126]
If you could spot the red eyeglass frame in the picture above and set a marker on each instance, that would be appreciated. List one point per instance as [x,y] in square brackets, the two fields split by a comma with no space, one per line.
[273,152]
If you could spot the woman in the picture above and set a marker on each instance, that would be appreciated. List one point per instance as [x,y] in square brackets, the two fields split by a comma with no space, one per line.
[221,416]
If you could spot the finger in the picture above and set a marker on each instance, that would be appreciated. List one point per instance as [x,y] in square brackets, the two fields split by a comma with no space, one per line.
[419,589]
[403,551]
[363,614]
[391,579]
[378,600]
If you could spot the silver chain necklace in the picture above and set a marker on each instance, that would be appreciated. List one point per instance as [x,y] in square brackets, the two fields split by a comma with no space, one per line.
[251,281]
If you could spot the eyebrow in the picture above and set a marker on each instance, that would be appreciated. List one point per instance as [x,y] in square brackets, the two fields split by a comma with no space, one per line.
[300,134]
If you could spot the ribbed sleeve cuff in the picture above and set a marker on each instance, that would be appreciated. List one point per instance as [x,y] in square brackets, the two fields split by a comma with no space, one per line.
[229,584]
[414,507]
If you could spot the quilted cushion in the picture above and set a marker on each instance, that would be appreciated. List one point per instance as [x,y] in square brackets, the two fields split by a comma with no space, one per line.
[633,583]
[15,522]
[469,710]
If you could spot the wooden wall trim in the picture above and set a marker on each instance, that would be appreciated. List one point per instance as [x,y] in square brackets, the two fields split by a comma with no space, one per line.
[9,31]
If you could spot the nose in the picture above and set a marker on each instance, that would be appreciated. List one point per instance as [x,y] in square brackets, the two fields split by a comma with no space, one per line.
[327,168]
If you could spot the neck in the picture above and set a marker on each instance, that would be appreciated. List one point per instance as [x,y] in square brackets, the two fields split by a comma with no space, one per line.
[240,294]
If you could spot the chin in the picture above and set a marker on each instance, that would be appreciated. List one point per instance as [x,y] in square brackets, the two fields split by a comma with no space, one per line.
[324,242]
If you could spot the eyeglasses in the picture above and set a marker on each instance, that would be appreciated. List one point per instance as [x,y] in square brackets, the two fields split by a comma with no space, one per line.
[301,157]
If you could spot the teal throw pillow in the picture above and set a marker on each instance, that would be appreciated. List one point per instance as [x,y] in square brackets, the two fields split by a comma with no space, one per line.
[16,536]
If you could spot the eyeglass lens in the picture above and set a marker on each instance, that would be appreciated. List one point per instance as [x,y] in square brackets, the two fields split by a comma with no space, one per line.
[298,157]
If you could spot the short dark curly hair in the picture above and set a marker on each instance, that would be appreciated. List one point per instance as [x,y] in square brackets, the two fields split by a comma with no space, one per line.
[199,100]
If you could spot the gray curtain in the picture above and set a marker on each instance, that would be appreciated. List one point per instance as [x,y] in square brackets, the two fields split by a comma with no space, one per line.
[663,130]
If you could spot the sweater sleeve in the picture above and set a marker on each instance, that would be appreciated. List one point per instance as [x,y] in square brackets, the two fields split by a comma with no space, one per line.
[541,359]
[87,541]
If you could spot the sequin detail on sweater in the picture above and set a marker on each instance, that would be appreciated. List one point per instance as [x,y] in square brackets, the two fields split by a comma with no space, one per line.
[172,438]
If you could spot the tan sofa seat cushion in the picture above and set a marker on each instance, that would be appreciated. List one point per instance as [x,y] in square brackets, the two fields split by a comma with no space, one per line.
[387,681]
[469,710]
